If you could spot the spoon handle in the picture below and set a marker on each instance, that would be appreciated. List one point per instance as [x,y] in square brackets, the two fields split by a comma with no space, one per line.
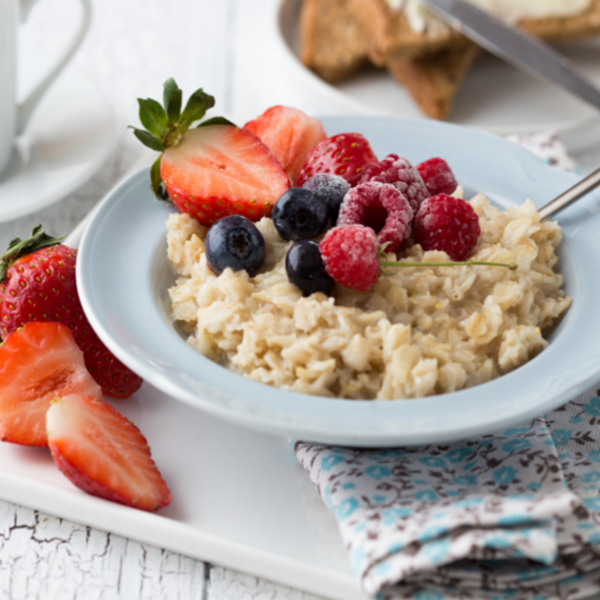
[579,189]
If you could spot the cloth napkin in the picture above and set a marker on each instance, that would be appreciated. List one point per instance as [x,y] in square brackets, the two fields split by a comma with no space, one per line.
[511,515]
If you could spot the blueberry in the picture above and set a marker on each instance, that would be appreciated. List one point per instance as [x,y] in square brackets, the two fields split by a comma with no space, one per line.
[329,189]
[298,215]
[306,269]
[235,242]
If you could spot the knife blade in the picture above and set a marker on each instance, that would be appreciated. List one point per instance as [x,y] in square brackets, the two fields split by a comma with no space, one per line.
[516,47]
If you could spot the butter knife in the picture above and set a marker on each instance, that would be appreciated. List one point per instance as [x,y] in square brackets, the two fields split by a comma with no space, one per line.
[516,47]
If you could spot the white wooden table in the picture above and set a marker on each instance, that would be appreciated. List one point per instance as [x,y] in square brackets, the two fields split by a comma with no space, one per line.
[132,48]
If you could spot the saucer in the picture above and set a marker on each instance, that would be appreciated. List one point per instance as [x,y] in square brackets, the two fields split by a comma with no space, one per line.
[67,140]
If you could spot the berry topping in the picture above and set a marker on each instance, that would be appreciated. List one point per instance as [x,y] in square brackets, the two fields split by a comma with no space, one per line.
[448,224]
[306,269]
[290,135]
[38,363]
[345,154]
[399,172]
[350,254]
[235,242]
[40,285]
[330,189]
[298,215]
[103,453]
[383,208]
[438,176]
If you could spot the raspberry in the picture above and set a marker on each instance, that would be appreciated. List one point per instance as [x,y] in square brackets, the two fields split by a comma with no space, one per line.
[399,172]
[350,256]
[383,208]
[438,176]
[448,224]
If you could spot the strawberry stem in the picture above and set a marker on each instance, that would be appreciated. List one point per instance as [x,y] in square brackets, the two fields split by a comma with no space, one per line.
[17,247]
[467,263]
[166,125]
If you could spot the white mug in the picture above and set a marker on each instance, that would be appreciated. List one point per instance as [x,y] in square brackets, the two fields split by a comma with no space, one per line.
[14,116]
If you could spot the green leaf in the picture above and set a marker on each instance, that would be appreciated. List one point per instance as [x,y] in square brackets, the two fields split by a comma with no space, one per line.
[155,178]
[148,139]
[172,100]
[217,121]
[196,107]
[153,117]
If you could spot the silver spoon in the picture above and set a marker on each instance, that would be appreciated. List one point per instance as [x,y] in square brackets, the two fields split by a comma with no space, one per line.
[571,195]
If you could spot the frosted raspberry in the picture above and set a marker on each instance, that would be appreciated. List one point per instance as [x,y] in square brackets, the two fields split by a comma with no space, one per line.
[399,172]
[383,208]
[438,176]
[448,224]
[350,256]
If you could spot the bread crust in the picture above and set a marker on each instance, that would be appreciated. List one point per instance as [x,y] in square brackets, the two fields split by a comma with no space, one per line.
[334,44]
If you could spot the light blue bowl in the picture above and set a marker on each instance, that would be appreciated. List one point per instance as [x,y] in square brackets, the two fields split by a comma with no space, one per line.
[123,276]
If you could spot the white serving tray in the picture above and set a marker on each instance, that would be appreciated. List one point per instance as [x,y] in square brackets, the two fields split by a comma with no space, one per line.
[240,498]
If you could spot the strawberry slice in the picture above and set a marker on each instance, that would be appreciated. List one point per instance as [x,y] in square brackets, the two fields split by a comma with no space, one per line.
[103,453]
[220,170]
[38,363]
[290,134]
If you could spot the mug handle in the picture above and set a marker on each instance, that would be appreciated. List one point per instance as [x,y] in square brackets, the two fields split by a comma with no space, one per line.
[25,108]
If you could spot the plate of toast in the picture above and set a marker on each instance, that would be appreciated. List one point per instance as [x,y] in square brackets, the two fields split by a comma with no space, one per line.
[367,52]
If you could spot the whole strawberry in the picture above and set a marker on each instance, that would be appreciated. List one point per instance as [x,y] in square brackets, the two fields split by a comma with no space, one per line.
[345,154]
[210,171]
[37,283]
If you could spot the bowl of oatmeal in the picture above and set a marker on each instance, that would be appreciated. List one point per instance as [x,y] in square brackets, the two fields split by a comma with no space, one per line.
[399,383]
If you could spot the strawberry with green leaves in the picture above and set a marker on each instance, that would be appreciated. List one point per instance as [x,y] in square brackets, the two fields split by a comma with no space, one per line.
[212,170]
[37,283]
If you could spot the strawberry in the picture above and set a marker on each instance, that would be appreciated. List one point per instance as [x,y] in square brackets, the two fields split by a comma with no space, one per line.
[38,363]
[37,283]
[103,453]
[213,170]
[221,170]
[345,154]
[290,134]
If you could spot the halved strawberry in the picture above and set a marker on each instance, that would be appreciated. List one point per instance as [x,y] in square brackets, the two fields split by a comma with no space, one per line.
[290,135]
[103,453]
[212,171]
[221,170]
[38,363]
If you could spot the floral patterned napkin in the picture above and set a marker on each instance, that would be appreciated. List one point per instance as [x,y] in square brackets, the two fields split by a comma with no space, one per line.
[511,515]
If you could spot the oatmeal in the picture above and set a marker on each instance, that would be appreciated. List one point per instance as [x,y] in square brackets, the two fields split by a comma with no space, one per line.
[417,332]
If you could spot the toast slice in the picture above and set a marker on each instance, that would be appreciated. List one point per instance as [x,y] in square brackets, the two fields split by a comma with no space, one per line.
[433,79]
[334,45]
[392,35]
